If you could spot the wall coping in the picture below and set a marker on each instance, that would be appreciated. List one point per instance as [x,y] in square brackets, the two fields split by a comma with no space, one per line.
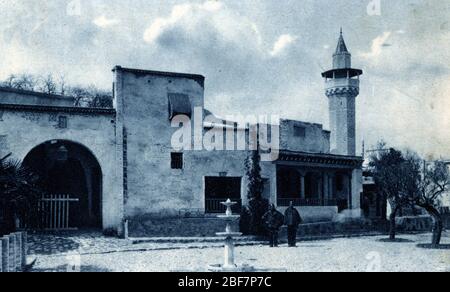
[34,93]
[200,79]
[43,108]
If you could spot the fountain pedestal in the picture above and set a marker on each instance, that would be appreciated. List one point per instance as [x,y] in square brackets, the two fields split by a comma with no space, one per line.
[229,259]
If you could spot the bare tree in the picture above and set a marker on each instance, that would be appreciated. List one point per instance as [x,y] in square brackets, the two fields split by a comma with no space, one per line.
[89,96]
[433,183]
[25,82]
[62,84]
[48,84]
[9,82]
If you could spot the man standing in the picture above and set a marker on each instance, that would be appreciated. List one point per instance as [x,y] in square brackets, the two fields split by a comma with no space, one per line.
[273,220]
[292,219]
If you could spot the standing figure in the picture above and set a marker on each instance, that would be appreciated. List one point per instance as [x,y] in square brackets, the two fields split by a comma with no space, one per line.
[273,220]
[292,220]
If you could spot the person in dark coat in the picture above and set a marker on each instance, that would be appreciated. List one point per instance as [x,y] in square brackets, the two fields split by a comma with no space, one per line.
[273,220]
[292,220]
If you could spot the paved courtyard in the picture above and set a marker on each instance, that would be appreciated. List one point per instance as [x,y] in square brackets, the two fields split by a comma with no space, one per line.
[93,253]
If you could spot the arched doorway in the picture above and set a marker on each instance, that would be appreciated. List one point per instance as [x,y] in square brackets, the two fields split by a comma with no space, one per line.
[70,169]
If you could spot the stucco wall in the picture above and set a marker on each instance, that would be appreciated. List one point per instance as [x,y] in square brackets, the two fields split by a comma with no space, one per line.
[342,124]
[315,140]
[153,187]
[23,129]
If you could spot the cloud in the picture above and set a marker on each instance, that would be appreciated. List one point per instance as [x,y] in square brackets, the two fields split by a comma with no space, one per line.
[103,21]
[181,14]
[283,42]
[377,46]
[230,42]
[232,51]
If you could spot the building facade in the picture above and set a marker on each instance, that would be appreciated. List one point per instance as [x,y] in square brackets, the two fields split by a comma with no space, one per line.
[120,164]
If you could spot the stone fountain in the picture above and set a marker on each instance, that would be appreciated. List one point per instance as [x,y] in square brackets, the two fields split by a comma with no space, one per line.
[229,262]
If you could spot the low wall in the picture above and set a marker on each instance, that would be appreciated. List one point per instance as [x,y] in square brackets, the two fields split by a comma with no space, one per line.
[177,227]
[419,223]
[311,214]
[13,252]
[337,228]
[150,226]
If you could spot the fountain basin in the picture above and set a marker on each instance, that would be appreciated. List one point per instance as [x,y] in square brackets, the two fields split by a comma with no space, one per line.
[229,217]
[229,234]
[235,269]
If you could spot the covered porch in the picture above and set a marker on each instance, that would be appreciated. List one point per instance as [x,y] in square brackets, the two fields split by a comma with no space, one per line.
[317,180]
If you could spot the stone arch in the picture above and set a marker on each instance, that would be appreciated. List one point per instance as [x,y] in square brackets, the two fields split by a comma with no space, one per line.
[70,168]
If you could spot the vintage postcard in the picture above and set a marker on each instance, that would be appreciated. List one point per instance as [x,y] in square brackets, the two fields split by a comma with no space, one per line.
[224,136]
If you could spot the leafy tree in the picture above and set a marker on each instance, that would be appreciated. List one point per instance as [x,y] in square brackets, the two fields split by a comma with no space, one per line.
[19,195]
[253,172]
[251,221]
[395,179]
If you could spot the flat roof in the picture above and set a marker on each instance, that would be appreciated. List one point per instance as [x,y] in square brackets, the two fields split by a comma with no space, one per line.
[196,77]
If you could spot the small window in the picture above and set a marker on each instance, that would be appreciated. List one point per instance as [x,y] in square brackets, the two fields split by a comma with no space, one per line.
[62,122]
[177,160]
[299,131]
[179,104]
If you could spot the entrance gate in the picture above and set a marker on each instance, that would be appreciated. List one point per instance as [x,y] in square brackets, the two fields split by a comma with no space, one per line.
[55,212]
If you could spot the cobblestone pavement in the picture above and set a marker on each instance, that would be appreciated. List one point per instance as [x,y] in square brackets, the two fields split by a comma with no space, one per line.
[81,242]
[92,242]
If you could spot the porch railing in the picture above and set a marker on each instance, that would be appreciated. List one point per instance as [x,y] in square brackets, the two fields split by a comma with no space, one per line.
[214,206]
[284,202]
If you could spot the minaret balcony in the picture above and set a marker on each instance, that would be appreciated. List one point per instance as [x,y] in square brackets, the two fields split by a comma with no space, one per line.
[342,82]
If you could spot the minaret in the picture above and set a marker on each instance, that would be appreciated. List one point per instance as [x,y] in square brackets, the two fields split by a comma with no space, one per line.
[342,88]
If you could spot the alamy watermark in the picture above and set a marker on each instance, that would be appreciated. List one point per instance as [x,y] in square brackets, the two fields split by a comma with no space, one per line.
[374,8]
[74,8]
[375,262]
[73,262]
[209,133]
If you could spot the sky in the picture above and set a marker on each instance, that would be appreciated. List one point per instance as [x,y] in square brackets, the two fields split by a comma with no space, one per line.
[258,57]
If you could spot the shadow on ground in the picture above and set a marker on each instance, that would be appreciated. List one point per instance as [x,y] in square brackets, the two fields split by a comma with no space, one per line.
[65,268]
[434,246]
[397,240]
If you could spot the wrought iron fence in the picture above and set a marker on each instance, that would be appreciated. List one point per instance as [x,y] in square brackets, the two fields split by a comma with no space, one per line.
[285,202]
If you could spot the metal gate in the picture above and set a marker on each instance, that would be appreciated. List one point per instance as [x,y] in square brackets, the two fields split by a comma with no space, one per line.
[55,210]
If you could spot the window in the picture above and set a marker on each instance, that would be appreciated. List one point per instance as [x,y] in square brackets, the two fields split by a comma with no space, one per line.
[299,131]
[62,122]
[176,160]
[179,104]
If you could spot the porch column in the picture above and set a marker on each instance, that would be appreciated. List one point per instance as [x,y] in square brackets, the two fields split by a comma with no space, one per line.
[326,190]
[320,190]
[331,194]
[302,186]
